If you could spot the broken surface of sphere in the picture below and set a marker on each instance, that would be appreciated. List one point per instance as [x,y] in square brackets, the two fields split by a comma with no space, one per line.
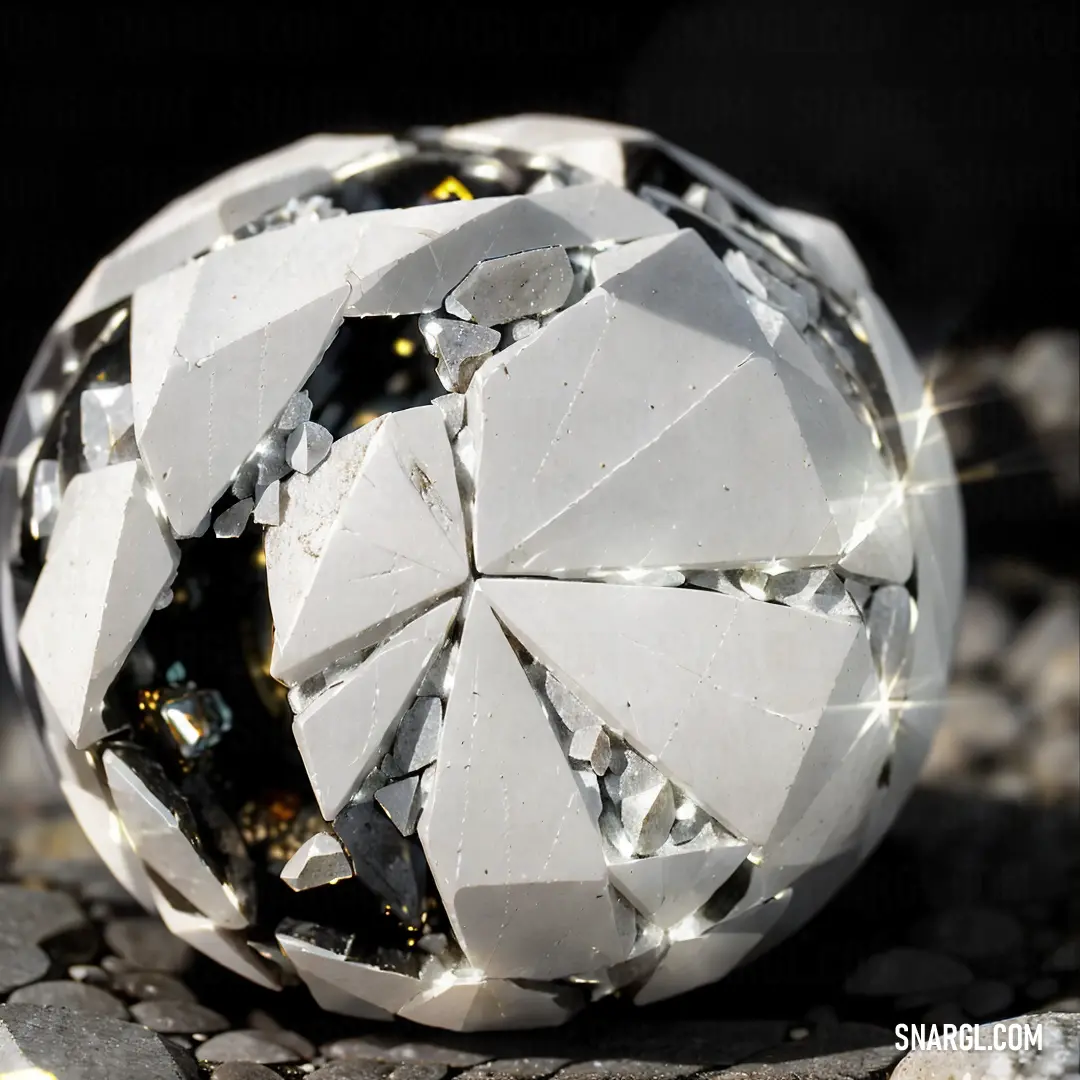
[481,572]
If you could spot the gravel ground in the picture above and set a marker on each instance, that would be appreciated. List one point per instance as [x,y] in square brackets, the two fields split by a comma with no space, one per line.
[969,912]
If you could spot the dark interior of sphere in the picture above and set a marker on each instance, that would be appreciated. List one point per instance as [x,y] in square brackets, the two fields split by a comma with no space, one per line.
[217,633]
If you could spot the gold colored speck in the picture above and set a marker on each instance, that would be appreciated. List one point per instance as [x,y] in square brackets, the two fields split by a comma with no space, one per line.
[451,188]
[364,416]
[404,347]
[259,558]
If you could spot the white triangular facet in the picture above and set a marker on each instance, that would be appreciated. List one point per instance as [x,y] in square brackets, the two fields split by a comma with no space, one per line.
[478,1004]
[349,987]
[218,348]
[87,796]
[109,559]
[586,430]
[157,835]
[675,671]
[376,531]
[347,729]
[667,887]
[866,502]
[592,145]
[225,947]
[694,961]
[193,222]
[506,830]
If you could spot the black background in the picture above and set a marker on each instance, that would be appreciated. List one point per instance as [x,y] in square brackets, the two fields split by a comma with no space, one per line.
[942,136]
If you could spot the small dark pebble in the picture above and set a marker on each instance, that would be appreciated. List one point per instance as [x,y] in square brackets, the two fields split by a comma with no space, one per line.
[78,997]
[178,1017]
[386,1048]
[247,1045]
[354,1070]
[243,1070]
[117,965]
[530,1068]
[20,963]
[148,944]
[152,986]
[88,973]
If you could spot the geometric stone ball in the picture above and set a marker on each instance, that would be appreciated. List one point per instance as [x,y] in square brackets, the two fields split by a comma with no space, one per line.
[516,554]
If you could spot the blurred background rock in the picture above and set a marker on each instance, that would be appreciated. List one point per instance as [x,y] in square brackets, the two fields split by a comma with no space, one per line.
[943,139]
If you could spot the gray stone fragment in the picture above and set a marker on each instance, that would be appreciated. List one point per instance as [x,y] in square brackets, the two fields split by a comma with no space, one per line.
[261,1047]
[402,804]
[231,523]
[45,500]
[452,406]
[243,1070]
[460,348]
[355,1070]
[268,508]
[178,1017]
[590,788]
[388,1048]
[151,986]
[79,997]
[1055,1060]
[905,971]
[525,1068]
[385,861]
[320,860]
[521,329]
[105,417]
[768,288]
[716,580]
[499,291]
[625,1069]
[87,973]
[20,962]
[592,746]
[417,740]
[889,622]
[29,917]
[307,446]
[42,1042]
[296,412]
[572,712]
[148,943]
[689,821]
[813,590]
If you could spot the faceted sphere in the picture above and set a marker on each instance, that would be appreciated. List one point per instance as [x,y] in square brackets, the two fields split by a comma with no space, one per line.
[482,571]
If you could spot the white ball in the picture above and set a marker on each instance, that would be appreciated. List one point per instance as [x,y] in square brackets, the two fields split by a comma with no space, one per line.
[524,542]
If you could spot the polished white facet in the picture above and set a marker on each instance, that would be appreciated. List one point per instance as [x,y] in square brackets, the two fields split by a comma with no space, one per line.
[473,1003]
[109,558]
[373,534]
[672,884]
[320,860]
[691,962]
[605,669]
[345,731]
[508,876]
[580,484]
[225,947]
[349,986]
[159,838]
[673,671]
